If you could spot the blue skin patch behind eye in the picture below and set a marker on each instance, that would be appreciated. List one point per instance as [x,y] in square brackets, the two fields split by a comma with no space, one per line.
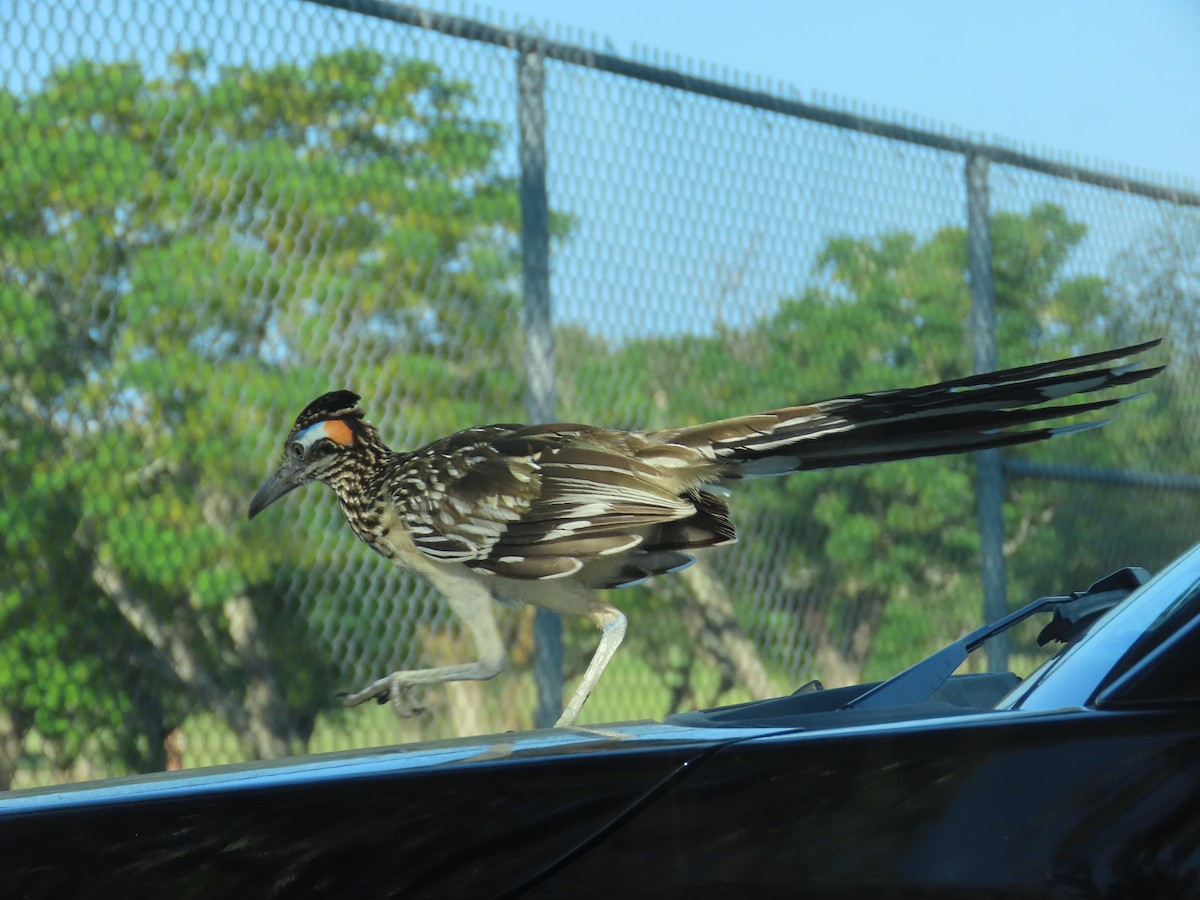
[311,434]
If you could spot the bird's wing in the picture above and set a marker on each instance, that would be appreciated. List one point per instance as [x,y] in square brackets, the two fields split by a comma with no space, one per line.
[545,501]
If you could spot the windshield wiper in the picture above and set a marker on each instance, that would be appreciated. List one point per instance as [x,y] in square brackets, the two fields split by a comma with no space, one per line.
[1073,618]
[1073,615]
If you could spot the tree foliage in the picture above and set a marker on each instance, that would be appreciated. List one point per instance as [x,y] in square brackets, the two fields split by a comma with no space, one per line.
[184,261]
[874,564]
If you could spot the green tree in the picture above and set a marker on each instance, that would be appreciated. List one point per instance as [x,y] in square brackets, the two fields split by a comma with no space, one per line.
[866,568]
[184,262]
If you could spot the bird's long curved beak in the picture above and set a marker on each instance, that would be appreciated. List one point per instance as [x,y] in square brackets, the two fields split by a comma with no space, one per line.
[285,480]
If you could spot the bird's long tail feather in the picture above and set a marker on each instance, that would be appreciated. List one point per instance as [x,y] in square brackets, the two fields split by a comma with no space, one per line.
[977,412]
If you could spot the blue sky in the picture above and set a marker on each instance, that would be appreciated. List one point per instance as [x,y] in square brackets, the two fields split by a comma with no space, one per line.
[1112,80]
[686,212]
[1116,81]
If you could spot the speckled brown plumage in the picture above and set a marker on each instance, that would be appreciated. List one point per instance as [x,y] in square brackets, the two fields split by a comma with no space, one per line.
[548,513]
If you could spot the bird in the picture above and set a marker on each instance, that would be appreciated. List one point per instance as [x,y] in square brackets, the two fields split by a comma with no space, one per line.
[552,514]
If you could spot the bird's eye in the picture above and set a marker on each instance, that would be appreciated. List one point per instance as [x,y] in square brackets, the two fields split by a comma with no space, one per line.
[297,450]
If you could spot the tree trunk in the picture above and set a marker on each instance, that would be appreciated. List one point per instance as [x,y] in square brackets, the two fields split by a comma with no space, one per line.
[271,733]
[12,737]
[707,613]
[177,655]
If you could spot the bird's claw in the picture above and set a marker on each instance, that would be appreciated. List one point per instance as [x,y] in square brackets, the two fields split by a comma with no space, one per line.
[403,703]
[399,694]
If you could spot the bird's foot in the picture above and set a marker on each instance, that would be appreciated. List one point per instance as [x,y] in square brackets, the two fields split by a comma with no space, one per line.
[391,688]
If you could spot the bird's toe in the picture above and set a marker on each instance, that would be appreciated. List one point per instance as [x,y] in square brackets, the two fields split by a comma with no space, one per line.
[404,703]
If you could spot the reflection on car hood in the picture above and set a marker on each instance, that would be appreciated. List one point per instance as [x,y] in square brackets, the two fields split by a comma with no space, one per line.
[380,761]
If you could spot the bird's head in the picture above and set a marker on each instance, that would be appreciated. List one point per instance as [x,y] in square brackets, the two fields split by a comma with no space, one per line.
[326,436]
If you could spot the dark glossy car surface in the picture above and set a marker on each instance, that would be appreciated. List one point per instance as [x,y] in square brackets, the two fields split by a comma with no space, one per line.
[1081,781]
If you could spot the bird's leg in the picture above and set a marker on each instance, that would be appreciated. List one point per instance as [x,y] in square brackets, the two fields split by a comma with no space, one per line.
[397,686]
[611,623]
[472,603]
[571,598]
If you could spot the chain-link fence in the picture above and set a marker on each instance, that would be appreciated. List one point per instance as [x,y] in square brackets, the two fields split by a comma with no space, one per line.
[216,210]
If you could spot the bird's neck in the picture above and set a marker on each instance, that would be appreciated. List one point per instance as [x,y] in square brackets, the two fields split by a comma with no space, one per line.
[360,482]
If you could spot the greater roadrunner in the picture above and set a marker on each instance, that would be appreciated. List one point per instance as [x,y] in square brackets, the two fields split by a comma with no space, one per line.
[548,514]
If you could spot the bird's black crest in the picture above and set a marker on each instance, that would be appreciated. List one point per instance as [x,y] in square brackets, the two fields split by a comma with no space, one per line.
[334,405]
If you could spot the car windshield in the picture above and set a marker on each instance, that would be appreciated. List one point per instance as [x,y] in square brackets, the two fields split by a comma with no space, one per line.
[1121,638]
[1103,642]
[1185,607]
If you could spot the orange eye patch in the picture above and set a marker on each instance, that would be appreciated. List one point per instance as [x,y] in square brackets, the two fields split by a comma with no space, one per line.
[339,432]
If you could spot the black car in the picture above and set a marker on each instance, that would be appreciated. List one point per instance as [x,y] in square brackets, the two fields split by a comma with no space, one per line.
[1082,780]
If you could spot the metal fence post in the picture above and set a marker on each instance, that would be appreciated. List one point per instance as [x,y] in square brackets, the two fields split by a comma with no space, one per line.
[989,476]
[539,337]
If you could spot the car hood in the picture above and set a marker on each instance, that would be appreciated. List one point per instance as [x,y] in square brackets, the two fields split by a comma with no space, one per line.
[465,817]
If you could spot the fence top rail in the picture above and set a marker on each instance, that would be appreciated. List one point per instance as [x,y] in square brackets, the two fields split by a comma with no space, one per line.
[1024,468]
[527,42]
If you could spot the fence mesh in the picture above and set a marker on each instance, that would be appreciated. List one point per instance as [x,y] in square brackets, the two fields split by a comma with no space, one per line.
[217,210]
